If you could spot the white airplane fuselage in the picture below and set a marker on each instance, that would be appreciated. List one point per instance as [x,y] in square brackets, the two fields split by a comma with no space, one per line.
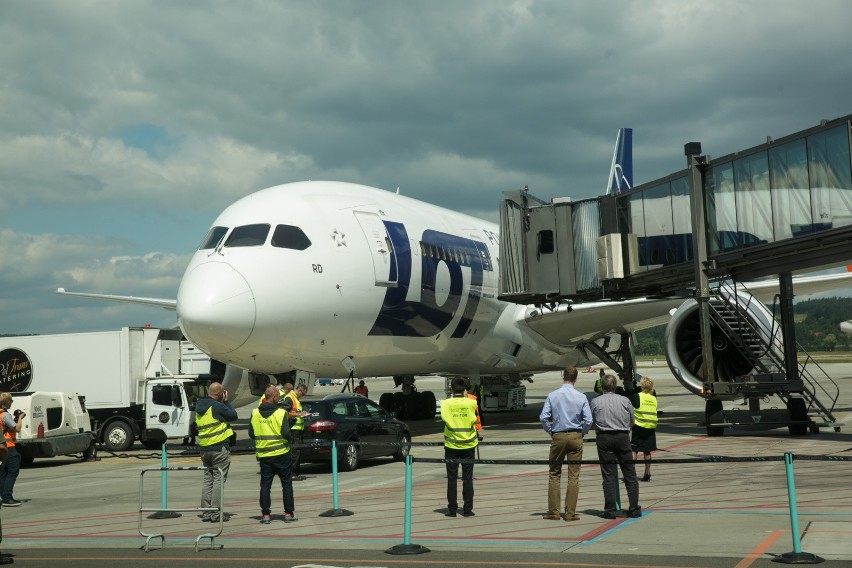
[401,286]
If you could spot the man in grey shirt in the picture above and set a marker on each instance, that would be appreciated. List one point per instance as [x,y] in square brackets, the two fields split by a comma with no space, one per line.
[612,417]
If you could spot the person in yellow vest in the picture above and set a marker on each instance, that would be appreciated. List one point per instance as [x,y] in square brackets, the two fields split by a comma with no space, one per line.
[460,440]
[11,424]
[270,431]
[644,430]
[213,415]
[297,424]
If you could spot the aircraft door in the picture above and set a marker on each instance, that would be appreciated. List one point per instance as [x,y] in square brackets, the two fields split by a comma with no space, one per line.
[381,249]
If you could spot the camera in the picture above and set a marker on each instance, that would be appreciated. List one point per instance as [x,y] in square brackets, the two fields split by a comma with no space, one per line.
[17,413]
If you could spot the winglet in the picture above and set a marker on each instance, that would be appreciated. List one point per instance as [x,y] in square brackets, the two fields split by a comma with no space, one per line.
[621,171]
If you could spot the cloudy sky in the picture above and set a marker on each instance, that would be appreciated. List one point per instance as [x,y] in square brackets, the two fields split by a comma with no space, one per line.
[127,126]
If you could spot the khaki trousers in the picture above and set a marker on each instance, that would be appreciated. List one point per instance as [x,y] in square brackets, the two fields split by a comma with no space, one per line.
[564,445]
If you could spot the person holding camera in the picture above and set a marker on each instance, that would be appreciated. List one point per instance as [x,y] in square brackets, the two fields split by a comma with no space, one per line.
[9,473]
[213,415]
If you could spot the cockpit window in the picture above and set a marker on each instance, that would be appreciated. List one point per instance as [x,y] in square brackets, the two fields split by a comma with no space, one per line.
[248,236]
[213,238]
[288,236]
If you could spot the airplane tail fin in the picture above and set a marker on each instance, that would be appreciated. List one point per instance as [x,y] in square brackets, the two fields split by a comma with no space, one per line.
[621,171]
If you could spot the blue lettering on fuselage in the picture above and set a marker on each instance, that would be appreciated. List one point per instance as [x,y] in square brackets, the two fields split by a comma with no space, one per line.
[401,317]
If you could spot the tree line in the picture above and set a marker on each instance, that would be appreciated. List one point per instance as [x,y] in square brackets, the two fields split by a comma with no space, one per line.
[817,328]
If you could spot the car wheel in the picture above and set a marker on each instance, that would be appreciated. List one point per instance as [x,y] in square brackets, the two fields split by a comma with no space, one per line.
[403,449]
[349,462]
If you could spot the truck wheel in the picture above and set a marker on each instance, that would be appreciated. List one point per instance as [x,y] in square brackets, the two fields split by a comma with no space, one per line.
[118,437]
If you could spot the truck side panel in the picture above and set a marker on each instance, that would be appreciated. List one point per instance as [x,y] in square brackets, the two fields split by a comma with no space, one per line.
[91,364]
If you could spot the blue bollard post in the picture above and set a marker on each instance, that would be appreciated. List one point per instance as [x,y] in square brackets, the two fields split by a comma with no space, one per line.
[164,464]
[797,556]
[406,547]
[335,511]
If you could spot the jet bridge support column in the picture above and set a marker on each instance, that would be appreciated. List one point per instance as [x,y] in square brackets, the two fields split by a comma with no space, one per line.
[696,164]
[788,327]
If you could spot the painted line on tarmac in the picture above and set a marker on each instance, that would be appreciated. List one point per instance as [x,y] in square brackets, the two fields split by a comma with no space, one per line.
[760,549]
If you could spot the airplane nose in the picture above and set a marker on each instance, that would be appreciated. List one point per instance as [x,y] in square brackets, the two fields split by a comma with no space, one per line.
[215,307]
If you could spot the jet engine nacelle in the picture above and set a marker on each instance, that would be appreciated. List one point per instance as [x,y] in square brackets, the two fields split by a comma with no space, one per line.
[683,339]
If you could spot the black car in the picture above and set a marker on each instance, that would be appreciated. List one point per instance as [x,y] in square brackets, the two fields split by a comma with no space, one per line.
[352,418]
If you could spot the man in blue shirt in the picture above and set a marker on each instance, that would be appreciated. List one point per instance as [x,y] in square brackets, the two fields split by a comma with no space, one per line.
[566,416]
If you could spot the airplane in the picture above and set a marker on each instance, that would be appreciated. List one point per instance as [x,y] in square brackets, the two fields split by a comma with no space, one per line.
[338,280]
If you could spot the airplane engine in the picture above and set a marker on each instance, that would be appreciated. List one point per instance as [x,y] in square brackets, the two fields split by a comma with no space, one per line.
[683,339]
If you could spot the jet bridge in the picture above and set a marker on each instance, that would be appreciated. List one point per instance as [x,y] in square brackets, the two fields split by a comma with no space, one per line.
[782,207]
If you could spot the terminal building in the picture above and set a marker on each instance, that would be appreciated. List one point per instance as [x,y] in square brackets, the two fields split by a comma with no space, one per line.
[780,208]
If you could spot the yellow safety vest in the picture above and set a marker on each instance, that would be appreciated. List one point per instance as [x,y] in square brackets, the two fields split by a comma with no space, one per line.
[646,414]
[210,430]
[267,433]
[297,406]
[281,393]
[459,416]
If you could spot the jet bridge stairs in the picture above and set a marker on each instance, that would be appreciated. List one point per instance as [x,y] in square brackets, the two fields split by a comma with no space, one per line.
[749,364]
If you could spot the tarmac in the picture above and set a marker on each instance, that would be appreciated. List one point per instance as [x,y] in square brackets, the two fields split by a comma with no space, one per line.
[720,501]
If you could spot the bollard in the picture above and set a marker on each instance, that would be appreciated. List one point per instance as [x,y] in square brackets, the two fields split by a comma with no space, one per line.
[163,490]
[335,511]
[797,556]
[406,547]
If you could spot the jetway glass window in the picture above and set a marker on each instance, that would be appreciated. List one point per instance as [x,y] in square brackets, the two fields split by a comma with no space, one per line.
[681,220]
[722,209]
[831,178]
[791,196]
[754,204]
[659,226]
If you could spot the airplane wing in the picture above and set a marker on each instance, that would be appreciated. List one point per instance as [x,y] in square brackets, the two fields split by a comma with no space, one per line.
[567,325]
[765,290]
[160,302]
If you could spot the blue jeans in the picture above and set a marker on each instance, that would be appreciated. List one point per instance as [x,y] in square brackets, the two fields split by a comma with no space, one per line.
[282,466]
[9,474]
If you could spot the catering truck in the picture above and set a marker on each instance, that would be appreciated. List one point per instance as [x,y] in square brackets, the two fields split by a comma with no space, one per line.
[136,383]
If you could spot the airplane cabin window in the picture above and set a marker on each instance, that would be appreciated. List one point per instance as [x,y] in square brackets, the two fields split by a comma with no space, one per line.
[213,238]
[248,236]
[290,237]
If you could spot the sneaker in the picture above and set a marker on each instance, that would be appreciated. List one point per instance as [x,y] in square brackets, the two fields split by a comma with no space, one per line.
[11,503]
[468,514]
[265,520]
[608,515]
[635,513]
[290,517]
[451,513]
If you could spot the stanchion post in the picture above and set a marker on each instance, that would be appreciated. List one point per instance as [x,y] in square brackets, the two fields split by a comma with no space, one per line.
[163,489]
[335,511]
[406,547]
[797,556]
